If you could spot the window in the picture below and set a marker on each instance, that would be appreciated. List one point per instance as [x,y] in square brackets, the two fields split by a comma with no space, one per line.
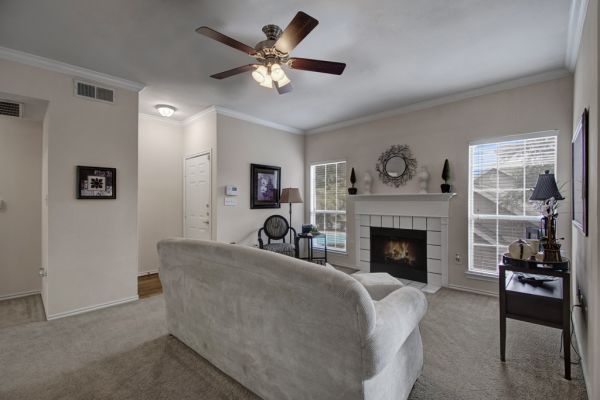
[328,203]
[501,179]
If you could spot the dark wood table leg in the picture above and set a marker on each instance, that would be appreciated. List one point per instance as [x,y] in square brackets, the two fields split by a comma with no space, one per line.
[567,324]
[502,299]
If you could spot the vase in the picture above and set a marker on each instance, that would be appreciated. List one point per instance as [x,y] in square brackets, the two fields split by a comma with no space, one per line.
[352,190]
[445,187]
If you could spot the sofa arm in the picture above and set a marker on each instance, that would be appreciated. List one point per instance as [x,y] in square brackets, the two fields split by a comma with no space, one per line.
[397,316]
[378,284]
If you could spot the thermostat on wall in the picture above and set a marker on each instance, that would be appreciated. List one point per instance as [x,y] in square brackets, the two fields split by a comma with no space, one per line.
[231,190]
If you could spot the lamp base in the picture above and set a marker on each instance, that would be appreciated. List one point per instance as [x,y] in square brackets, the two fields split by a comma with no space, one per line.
[552,252]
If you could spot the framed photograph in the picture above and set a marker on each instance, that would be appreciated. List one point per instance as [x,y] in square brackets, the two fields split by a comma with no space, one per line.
[579,179]
[265,183]
[96,183]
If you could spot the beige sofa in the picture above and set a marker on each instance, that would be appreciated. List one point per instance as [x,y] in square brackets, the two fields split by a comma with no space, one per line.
[289,329]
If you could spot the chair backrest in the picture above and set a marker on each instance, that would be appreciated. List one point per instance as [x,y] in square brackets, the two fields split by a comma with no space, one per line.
[276,227]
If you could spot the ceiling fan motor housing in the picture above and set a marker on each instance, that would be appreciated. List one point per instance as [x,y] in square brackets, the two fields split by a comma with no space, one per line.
[266,53]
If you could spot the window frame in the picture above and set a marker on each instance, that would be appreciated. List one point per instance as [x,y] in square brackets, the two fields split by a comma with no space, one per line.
[312,210]
[475,272]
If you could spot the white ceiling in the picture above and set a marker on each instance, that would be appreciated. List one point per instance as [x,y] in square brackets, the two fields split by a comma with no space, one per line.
[398,52]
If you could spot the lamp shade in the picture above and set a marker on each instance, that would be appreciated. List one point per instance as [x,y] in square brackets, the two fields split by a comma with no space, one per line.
[290,195]
[546,188]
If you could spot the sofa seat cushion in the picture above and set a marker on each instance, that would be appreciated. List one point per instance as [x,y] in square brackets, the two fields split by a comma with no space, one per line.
[282,248]
[378,284]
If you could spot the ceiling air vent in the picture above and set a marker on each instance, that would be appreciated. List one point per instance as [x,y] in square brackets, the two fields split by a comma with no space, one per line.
[11,109]
[90,91]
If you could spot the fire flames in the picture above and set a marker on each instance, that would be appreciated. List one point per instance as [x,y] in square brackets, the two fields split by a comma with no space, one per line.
[399,251]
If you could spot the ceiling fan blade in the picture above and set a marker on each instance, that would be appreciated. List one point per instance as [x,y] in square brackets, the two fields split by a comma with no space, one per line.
[283,89]
[219,37]
[307,64]
[234,71]
[297,30]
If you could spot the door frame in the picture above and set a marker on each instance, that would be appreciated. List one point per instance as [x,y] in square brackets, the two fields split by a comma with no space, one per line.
[210,202]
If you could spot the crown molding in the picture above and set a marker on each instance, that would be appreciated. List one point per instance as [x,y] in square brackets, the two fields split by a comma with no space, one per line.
[512,84]
[68,69]
[159,118]
[249,118]
[577,15]
[198,115]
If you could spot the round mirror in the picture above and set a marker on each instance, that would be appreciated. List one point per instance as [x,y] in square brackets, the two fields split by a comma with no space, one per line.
[395,166]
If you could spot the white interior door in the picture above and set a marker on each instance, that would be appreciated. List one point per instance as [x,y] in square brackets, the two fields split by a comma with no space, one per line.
[197,206]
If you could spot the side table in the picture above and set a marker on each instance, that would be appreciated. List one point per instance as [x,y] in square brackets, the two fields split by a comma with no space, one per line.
[547,304]
[309,237]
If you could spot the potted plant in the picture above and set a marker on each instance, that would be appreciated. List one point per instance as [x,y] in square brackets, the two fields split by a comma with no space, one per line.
[352,190]
[446,176]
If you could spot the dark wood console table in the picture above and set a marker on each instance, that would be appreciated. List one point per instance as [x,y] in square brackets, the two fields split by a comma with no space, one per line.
[548,304]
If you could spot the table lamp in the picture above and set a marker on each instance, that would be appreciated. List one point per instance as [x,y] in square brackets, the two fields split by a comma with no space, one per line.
[290,195]
[547,191]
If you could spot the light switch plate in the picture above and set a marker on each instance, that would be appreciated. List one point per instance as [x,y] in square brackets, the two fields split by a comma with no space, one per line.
[231,201]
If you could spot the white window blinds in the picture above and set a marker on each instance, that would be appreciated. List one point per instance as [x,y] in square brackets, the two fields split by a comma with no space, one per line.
[501,179]
[328,203]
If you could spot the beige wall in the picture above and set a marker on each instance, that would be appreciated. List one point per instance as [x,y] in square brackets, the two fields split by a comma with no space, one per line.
[160,187]
[240,144]
[200,136]
[445,132]
[91,254]
[21,216]
[585,249]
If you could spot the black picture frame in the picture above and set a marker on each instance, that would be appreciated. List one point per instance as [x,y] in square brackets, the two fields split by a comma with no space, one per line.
[103,179]
[579,174]
[265,184]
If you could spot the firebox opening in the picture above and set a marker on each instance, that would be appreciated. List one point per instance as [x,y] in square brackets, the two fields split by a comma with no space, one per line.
[400,252]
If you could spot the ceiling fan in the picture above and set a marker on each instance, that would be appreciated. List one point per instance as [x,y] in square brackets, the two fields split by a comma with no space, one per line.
[273,53]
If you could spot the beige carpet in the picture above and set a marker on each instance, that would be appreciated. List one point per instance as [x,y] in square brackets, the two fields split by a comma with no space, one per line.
[125,353]
[21,311]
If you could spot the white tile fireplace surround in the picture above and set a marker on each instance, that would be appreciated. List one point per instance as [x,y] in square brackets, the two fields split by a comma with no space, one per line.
[420,211]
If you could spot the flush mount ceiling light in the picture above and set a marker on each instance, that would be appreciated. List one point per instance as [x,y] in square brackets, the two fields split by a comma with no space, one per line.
[165,110]
[273,53]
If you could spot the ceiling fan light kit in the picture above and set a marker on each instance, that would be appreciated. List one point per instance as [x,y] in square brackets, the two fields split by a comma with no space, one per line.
[273,53]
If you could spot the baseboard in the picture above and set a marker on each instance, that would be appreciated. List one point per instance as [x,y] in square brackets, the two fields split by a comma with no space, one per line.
[92,308]
[576,315]
[20,294]
[149,272]
[471,290]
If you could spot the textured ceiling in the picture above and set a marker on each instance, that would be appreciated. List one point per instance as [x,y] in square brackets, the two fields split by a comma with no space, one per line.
[397,52]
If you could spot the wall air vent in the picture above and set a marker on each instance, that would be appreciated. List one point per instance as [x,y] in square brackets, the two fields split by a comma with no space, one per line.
[93,92]
[11,109]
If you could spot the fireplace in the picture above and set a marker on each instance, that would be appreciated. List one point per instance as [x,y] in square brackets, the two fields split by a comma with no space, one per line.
[399,252]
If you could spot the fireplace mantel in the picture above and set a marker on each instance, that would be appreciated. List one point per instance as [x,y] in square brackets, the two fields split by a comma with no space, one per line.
[413,204]
[404,197]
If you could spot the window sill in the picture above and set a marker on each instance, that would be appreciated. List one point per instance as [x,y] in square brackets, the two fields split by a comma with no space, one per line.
[331,251]
[482,276]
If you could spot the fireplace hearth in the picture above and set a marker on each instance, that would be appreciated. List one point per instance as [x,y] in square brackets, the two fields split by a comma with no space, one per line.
[399,252]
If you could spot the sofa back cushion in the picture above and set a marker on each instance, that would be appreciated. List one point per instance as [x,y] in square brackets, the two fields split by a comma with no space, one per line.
[282,327]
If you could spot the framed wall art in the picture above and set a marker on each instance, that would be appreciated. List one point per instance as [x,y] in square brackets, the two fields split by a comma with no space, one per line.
[265,184]
[579,171]
[97,183]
